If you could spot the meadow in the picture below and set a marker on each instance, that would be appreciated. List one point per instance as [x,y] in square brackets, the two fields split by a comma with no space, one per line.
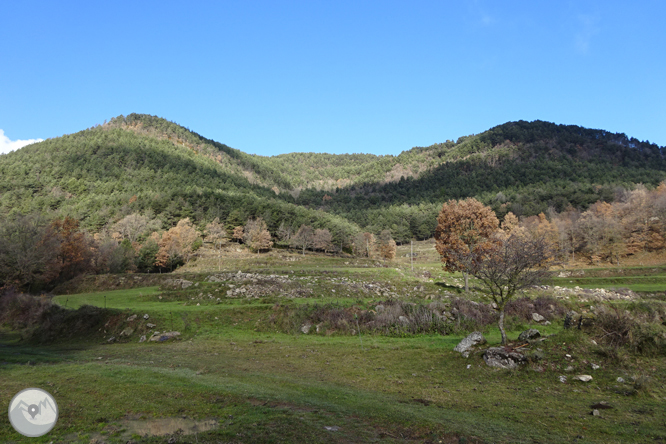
[243,370]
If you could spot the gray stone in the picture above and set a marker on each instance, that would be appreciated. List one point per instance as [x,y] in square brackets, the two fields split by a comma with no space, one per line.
[537,317]
[595,412]
[584,378]
[128,331]
[503,358]
[620,379]
[142,339]
[164,336]
[131,318]
[465,346]
[111,339]
[146,316]
[529,335]
[149,325]
[306,328]
[403,320]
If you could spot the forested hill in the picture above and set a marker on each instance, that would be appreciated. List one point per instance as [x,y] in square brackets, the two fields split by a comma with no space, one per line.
[142,163]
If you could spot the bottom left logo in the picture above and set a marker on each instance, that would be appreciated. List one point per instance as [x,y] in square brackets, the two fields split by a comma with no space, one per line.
[33,412]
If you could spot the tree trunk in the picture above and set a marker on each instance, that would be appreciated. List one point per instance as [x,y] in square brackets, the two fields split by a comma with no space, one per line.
[466,282]
[501,326]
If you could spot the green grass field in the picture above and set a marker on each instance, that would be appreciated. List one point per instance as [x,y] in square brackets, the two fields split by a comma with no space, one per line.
[230,378]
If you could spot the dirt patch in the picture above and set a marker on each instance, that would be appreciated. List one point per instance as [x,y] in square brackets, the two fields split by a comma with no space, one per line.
[167,426]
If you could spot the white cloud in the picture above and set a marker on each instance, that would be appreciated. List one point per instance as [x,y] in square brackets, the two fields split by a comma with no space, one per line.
[587,28]
[7,145]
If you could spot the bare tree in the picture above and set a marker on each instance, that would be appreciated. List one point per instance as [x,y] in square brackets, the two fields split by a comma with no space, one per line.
[512,264]
[304,238]
[28,252]
[364,245]
[131,227]
[217,234]
[322,239]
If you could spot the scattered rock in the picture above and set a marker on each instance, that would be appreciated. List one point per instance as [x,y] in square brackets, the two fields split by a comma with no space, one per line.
[332,428]
[529,335]
[620,380]
[595,366]
[164,336]
[537,317]
[595,412]
[128,331]
[149,325]
[142,339]
[111,339]
[131,318]
[146,316]
[465,346]
[569,369]
[584,378]
[176,283]
[306,328]
[503,358]
[563,379]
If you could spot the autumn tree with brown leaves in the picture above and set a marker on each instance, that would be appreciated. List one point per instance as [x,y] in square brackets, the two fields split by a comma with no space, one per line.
[257,236]
[175,245]
[464,230]
[238,233]
[386,246]
[75,253]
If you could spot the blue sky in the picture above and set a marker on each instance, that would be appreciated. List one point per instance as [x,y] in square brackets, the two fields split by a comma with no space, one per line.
[270,77]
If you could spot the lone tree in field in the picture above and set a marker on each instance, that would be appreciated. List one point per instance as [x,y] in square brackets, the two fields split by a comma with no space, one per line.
[464,230]
[512,263]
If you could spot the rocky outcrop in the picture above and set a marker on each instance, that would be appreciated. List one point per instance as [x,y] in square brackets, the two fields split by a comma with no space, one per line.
[529,335]
[467,345]
[503,358]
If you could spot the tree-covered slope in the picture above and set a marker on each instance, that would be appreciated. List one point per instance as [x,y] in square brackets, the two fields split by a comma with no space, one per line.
[142,163]
[104,173]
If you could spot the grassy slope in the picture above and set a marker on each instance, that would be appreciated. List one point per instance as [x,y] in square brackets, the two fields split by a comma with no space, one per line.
[266,386]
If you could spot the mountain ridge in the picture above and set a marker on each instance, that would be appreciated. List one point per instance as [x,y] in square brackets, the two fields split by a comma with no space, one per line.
[143,163]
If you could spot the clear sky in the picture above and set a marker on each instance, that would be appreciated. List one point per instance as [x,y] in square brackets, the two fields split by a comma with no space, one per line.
[270,77]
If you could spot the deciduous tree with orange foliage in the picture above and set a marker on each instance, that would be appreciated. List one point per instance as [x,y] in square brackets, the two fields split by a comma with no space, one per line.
[175,245]
[464,227]
[75,254]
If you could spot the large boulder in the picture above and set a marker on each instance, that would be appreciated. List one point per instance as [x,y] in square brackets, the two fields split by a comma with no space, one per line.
[529,335]
[466,345]
[503,358]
